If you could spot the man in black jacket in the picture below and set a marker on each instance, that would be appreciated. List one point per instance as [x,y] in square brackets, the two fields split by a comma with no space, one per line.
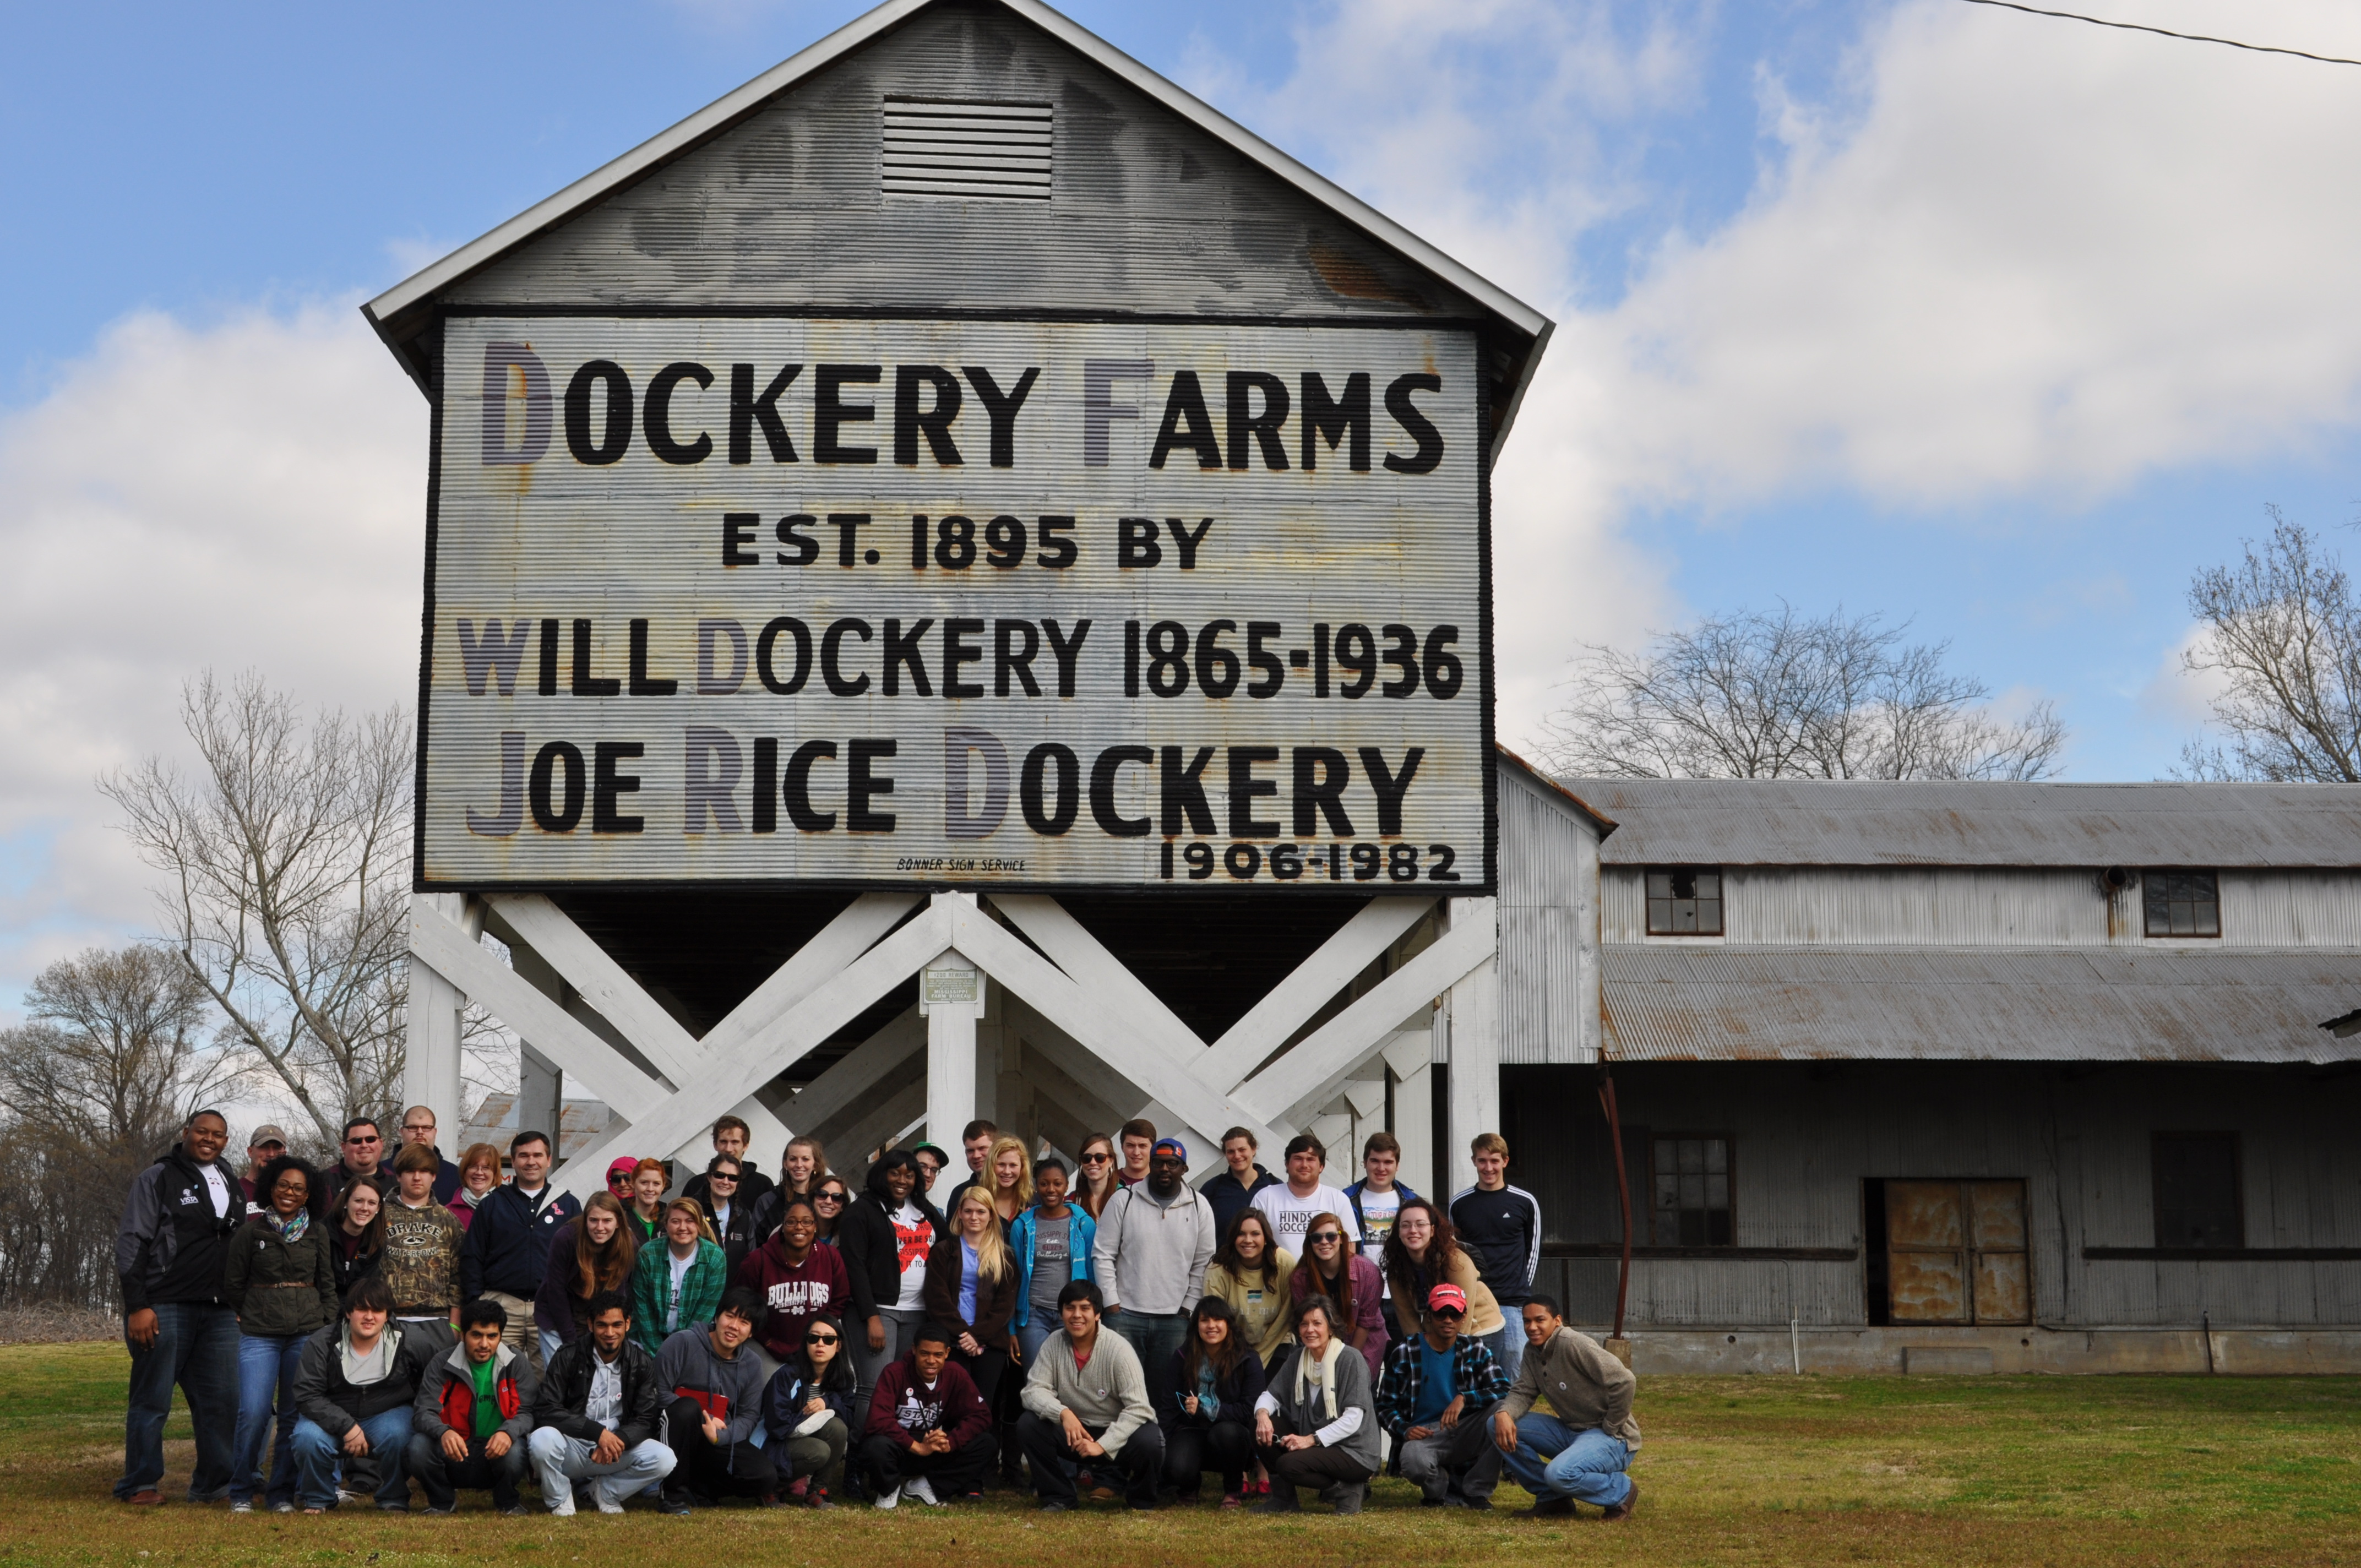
[509,1240]
[730,1137]
[594,1416]
[354,1389]
[170,1254]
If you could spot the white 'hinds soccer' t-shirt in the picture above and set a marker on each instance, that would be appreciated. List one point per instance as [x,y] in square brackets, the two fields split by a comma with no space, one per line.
[913,1235]
[1289,1214]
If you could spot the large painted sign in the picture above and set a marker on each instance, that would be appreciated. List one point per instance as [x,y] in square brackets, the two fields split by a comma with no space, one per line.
[747,598]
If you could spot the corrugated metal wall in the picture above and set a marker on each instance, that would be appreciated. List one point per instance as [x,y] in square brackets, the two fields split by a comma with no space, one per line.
[1549,857]
[1805,1139]
[1988,907]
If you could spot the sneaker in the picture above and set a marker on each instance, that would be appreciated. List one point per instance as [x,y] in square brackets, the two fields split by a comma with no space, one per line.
[146,1498]
[563,1509]
[672,1503]
[1103,1494]
[393,1508]
[344,1497]
[800,1487]
[1622,1510]
[887,1500]
[282,1508]
[1054,1506]
[241,1505]
[1550,1509]
[513,1511]
[607,1501]
[818,1498]
[1479,1504]
[1280,1502]
[922,1489]
[1344,1496]
[452,1509]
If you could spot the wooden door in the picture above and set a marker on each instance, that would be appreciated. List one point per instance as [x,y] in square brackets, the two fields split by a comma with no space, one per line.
[1956,1252]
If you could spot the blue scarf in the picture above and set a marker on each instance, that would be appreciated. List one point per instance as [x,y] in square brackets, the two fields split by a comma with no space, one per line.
[289,1231]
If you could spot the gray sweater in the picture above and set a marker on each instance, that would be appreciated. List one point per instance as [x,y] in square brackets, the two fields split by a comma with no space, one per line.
[1351,1371]
[1583,1385]
[1151,1255]
[1110,1392]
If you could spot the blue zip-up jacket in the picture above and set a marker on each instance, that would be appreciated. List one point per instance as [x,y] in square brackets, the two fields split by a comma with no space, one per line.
[508,1241]
[1361,1226]
[1079,1241]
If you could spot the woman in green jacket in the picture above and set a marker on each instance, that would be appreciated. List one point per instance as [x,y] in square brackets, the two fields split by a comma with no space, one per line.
[678,1285]
[282,1281]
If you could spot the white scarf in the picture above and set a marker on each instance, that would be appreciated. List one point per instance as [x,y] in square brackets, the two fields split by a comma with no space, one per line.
[1326,1382]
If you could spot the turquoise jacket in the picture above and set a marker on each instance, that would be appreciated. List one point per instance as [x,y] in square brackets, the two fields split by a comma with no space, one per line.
[1020,1242]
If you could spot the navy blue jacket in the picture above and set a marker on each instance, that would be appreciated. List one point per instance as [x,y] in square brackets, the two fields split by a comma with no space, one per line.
[1229,1196]
[508,1241]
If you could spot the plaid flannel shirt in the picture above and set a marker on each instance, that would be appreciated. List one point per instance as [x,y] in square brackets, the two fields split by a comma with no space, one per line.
[1481,1381]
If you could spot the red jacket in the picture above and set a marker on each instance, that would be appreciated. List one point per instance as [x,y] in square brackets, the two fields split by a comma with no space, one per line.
[794,1294]
[952,1403]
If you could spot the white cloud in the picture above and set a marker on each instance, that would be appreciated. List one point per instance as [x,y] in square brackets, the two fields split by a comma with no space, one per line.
[245,494]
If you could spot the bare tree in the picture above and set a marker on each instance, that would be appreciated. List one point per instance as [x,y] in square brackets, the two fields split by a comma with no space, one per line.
[286,875]
[113,1055]
[1760,695]
[93,1086]
[2283,631]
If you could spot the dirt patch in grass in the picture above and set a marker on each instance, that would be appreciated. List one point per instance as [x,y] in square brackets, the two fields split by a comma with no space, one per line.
[1759,1471]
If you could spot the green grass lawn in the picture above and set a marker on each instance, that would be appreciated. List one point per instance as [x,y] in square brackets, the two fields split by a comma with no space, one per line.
[1950,1471]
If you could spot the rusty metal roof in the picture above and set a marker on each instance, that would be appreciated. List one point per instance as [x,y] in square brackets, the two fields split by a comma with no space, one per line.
[1861,822]
[1723,1003]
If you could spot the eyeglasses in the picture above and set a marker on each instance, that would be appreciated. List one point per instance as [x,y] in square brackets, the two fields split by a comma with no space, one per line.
[820,1339]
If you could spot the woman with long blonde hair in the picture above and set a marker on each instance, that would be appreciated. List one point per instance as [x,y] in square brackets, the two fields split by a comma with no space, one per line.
[1010,1170]
[971,1288]
[1096,1183]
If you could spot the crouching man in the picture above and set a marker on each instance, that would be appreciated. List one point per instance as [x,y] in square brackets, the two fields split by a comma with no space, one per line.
[1086,1403]
[1578,1452]
[473,1415]
[1432,1397]
[712,1387]
[354,1389]
[594,1416]
[929,1432]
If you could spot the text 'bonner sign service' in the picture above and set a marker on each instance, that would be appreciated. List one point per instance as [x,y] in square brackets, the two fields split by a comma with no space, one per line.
[893,601]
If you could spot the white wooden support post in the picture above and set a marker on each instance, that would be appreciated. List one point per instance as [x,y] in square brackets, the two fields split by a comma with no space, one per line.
[950,994]
[1475,1011]
[430,1069]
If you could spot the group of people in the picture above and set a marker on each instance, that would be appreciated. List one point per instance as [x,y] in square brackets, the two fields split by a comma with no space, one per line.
[793,1341]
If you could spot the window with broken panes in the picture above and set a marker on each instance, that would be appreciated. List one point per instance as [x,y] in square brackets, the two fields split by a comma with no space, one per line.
[2182,903]
[1685,900]
[1692,1192]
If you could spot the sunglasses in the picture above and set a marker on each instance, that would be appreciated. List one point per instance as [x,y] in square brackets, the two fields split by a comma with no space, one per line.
[372,1138]
[720,1176]
[1097,1158]
[820,1339]
[1445,1312]
[827,1198]
[1325,1238]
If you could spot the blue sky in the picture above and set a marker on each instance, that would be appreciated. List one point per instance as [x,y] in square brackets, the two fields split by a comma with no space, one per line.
[2002,326]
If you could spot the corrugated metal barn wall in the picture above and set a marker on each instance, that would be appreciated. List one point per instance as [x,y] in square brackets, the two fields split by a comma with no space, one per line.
[1549,925]
[1148,212]
[1987,906]
[1804,1140]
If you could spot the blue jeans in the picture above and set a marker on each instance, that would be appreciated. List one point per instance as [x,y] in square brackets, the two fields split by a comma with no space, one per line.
[317,1454]
[1156,1336]
[265,1384]
[196,1348]
[1552,1460]
[1034,1335]
[1506,1343]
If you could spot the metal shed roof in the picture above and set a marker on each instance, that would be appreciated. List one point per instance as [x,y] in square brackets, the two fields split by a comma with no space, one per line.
[390,312]
[1669,1004]
[1849,822]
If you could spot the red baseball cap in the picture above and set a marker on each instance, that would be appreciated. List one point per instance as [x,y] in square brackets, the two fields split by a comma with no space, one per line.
[1449,1296]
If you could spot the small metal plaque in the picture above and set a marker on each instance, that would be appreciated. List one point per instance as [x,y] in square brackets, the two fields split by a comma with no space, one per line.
[950,985]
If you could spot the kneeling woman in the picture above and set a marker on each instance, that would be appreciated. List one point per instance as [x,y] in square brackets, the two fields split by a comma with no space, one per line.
[1316,1424]
[1210,1423]
[807,1409]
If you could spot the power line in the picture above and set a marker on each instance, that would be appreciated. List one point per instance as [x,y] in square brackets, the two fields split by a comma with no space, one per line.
[2164,32]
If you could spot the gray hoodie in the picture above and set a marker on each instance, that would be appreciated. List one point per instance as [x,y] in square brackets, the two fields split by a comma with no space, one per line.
[1152,1254]
[1110,1392]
